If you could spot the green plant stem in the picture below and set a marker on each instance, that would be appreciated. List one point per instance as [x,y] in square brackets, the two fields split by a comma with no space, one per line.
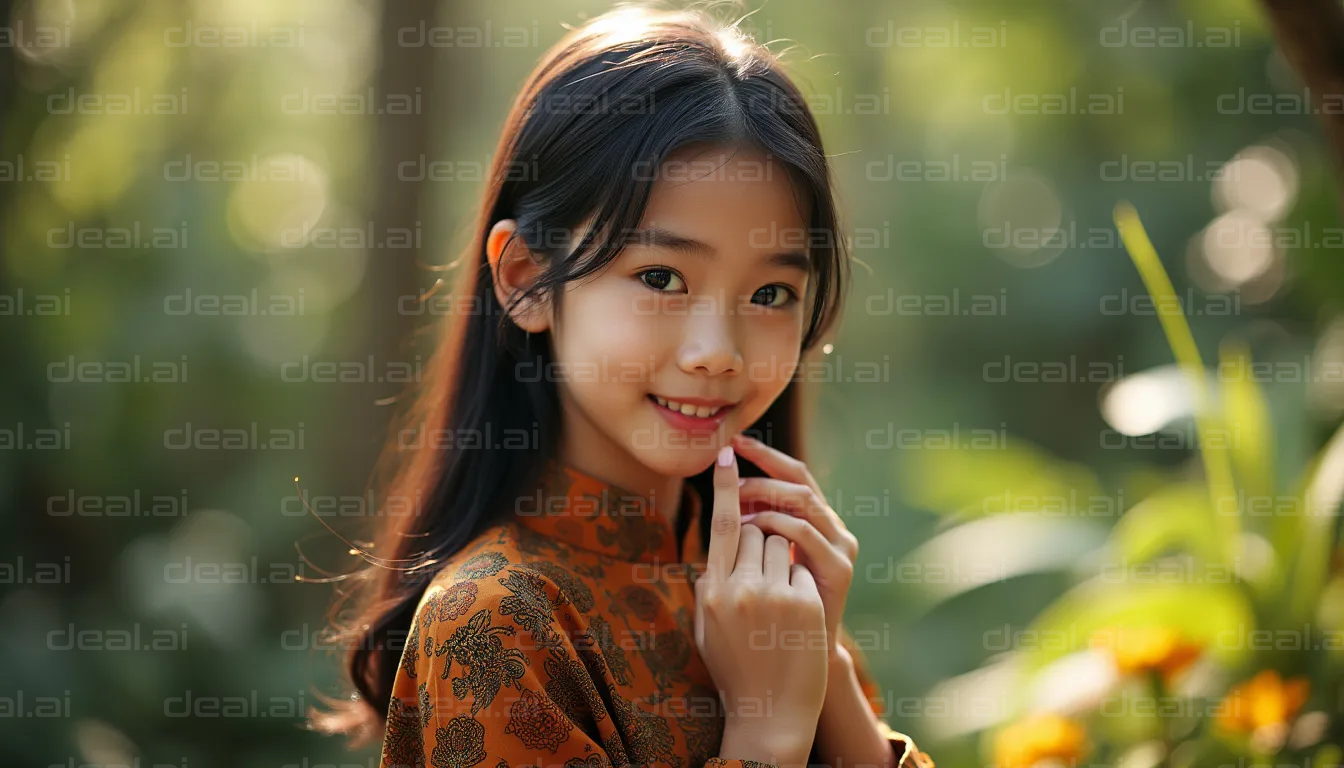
[1217,464]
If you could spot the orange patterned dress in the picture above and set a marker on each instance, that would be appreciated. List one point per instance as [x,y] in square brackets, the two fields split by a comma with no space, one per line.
[564,637]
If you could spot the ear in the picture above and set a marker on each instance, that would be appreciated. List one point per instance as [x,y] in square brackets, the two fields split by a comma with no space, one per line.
[513,268]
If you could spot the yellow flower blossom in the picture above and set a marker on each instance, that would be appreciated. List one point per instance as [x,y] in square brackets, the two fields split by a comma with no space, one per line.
[1040,738]
[1264,702]
[1148,649]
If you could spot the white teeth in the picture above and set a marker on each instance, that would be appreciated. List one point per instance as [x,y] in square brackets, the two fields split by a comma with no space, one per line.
[698,411]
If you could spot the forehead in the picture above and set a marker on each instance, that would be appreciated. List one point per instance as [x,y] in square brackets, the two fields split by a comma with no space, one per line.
[726,192]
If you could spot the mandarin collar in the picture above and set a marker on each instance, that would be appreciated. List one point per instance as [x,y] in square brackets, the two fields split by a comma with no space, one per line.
[590,513]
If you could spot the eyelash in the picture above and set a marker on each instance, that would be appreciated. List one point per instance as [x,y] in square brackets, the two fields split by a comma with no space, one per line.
[793,296]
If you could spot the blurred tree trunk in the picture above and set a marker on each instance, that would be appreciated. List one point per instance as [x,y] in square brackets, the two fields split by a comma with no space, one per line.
[1311,35]
[406,74]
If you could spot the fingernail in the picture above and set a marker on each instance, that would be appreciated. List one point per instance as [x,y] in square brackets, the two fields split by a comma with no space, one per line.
[740,481]
[726,456]
[748,516]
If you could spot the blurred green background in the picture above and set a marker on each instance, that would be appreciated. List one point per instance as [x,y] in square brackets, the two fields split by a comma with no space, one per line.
[198,192]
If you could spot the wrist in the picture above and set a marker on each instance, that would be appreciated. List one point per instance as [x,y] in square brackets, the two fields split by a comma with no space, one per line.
[839,669]
[849,732]
[785,747]
[839,655]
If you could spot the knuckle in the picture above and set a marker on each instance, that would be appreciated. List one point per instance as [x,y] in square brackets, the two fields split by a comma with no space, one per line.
[851,543]
[723,524]
[716,603]
[750,583]
[736,603]
[846,572]
[799,601]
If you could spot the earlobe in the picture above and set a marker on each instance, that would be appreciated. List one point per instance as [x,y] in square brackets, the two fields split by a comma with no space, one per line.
[513,270]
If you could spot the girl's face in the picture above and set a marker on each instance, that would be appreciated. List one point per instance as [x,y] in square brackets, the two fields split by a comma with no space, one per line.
[704,308]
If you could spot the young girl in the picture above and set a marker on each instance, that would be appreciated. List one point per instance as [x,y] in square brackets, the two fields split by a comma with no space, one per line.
[576,582]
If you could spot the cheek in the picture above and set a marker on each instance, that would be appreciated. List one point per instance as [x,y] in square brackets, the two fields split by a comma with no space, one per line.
[606,323]
[772,362]
[604,344]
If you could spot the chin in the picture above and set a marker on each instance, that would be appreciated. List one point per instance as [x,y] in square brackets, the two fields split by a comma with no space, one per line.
[679,462]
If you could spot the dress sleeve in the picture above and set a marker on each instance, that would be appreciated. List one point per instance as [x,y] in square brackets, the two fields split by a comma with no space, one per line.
[490,677]
[903,747]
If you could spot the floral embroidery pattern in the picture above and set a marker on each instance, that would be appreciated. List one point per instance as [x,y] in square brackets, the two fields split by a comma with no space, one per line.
[667,658]
[482,565]
[426,704]
[631,529]
[459,744]
[538,723]
[410,655]
[520,654]
[403,746]
[639,601]
[704,733]
[571,687]
[599,634]
[530,606]
[479,647]
[648,737]
[572,589]
[451,603]
[534,544]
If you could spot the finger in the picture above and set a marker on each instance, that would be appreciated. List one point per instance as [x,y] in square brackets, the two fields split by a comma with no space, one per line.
[777,561]
[800,578]
[818,551]
[699,617]
[774,462]
[794,499]
[725,524]
[750,547]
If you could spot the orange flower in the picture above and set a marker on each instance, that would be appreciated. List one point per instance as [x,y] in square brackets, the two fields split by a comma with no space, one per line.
[1265,702]
[1038,738]
[1148,649]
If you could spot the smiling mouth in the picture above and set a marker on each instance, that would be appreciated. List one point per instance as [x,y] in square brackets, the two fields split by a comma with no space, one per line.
[687,409]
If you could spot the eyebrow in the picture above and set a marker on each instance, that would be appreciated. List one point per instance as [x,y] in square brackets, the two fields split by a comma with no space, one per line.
[661,238]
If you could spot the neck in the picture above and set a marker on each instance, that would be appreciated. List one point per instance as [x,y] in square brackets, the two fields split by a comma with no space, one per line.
[588,451]
[660,491]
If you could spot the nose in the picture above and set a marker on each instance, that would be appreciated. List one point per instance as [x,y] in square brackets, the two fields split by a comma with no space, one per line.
[709,344]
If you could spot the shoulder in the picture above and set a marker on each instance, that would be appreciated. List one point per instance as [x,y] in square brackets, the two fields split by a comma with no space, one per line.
[500,583]
[511,560]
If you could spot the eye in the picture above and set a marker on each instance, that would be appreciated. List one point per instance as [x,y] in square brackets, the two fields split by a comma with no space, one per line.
[774,293]
[659,279]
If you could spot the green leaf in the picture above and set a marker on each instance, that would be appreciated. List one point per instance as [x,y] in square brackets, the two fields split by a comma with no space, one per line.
[1217,465]
[1320,508]
[1017,477]
[1201,611]
[1176,517]
[1246,415]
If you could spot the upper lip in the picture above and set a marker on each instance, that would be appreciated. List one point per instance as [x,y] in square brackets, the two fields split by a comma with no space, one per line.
[709,402]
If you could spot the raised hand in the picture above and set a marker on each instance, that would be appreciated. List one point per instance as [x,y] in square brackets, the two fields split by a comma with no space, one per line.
[754,615]
[794,507]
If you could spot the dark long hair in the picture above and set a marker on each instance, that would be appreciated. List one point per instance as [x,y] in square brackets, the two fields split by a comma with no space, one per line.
[618,94]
